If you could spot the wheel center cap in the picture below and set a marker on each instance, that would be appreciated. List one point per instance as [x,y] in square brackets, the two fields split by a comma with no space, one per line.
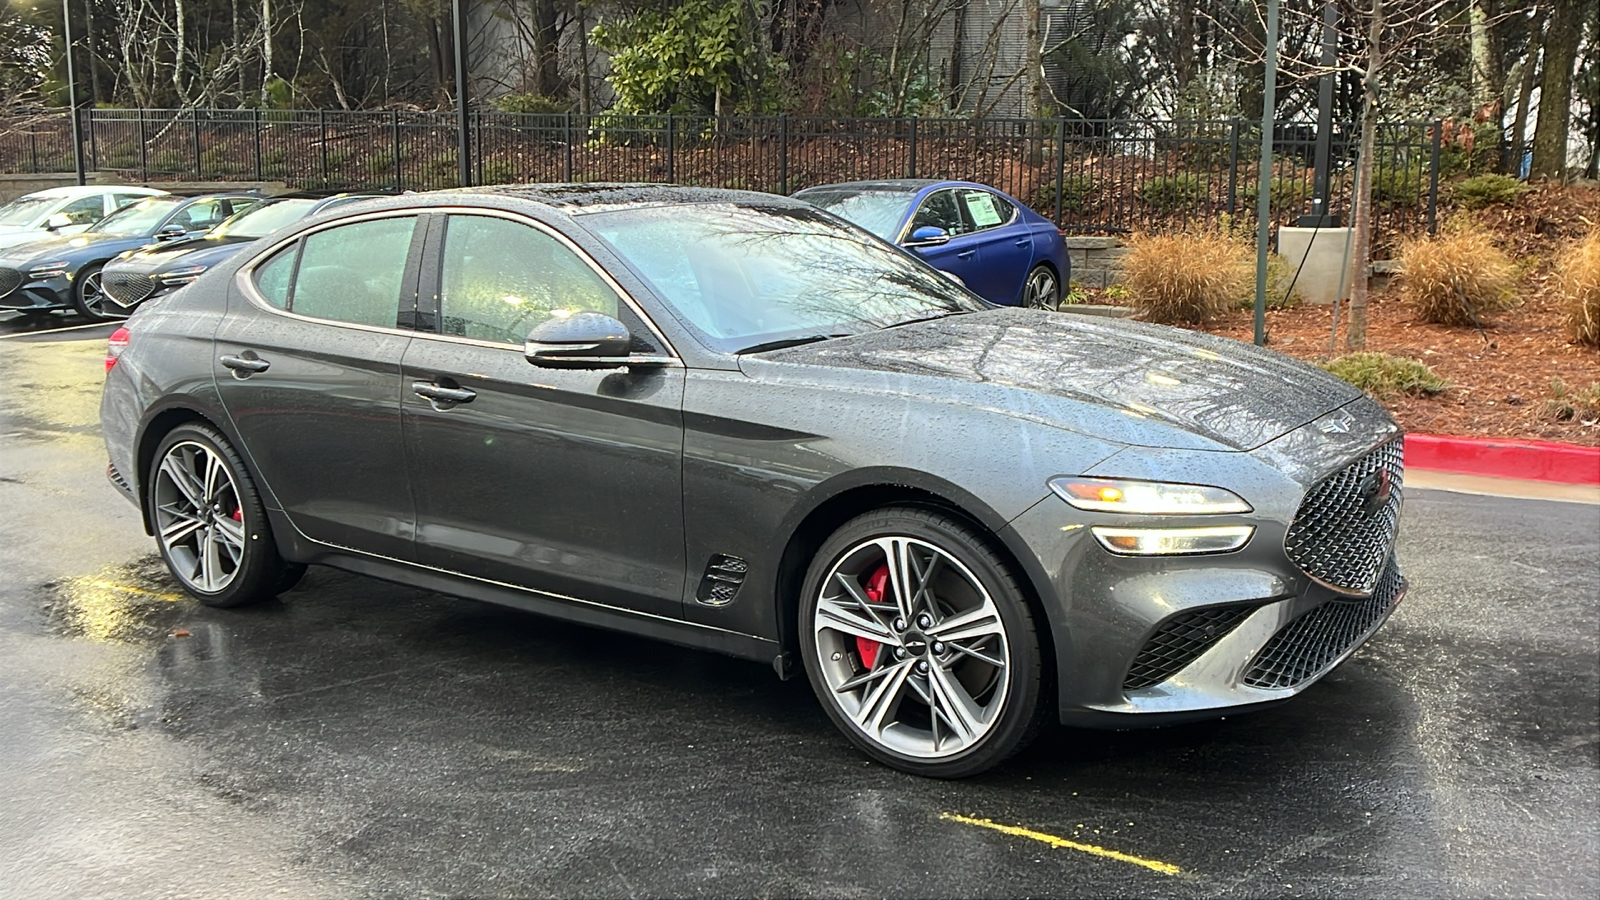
[915,642]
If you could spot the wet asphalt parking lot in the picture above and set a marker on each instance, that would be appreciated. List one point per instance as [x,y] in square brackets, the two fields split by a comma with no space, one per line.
[361,739]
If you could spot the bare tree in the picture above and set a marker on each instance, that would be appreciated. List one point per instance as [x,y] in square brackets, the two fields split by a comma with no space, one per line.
[1555,90]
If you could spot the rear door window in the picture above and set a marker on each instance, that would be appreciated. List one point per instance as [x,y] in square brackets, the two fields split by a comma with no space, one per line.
[940,211]
[986,210]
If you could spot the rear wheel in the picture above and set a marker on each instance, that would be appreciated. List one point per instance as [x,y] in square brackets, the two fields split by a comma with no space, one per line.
[89,297]
[1042,290]
[210,524]
[918,642]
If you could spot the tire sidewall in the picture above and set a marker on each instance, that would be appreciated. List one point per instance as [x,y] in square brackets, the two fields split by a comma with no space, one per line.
[1020,715]
[1053,302]
[258,570]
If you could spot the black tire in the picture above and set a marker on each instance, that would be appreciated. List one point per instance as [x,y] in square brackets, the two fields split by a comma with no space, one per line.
[220,563]
[90,299]
[1042,288]
[973,583]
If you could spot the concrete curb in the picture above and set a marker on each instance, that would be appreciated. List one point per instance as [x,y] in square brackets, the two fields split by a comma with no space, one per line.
[1494,457]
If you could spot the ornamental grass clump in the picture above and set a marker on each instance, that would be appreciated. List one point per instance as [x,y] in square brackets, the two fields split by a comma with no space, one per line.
[1579,278]
[1460,278]
[1186,279]
[1384,376]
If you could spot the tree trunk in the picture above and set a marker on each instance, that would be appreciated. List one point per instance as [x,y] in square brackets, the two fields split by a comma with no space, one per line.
[1519,122]
[1555,91]
[178,53]
[1486,76]
[94,70]
[1361,220]
[584,102]
[546,40]
[266,52]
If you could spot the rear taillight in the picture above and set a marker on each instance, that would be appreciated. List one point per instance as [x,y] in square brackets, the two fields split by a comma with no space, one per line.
[115,344]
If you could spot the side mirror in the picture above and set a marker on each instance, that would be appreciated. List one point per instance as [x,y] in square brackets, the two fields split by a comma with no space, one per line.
[583,340]
[928,236]
[170,233]
[58,222]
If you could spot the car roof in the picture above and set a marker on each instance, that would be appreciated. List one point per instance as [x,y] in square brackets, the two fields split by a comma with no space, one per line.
[84,190]
[587,198]
[904,185]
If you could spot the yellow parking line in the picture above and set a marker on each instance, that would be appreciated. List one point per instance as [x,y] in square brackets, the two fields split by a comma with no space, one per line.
[1064,844]
[130,589]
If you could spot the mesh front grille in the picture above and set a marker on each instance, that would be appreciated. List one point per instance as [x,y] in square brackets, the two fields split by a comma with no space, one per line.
[1179,641]
[1310,643]
[10,280]
[127,288]
[1344,529]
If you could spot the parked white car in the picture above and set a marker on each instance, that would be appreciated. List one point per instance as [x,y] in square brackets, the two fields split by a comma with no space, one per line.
[64,210]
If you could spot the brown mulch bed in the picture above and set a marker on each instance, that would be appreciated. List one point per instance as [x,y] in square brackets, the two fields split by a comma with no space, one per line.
[1500,377]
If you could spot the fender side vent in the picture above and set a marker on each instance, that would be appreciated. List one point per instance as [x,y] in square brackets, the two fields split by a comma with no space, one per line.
[724,575]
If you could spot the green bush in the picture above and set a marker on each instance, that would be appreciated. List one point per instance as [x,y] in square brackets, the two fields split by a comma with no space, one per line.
[1174,193]
[171,161]
[1384,376]
[1480,191]
[1075,193]
[1401,186]
[1569,405]
[499,171]
[1287,193]
[531,104]
[1283,288]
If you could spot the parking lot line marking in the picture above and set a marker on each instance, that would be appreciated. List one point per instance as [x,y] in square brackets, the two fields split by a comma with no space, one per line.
[22,334]
[130,589]
[1064,844]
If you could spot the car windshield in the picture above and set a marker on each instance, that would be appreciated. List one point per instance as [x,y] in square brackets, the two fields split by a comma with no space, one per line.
[139,218]
[879,212]
[25,210]
[265,219]
[747,276]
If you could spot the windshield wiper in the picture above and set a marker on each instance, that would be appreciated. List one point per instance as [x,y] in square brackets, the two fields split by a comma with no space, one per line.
[787,342]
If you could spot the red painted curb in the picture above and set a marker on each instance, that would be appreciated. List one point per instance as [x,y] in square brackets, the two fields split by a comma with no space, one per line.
[1530,460]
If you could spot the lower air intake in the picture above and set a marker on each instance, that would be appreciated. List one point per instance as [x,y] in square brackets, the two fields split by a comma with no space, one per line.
[1309,644]
[1179,641]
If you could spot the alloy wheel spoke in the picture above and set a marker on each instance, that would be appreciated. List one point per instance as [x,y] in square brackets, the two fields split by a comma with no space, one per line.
[831,614]
[231,534]
[184,480]
[180,528]
[975,623]
[951,703]
[216,478]
[883,697]
[867,605]
[211,562]
[897,555]
[973,652]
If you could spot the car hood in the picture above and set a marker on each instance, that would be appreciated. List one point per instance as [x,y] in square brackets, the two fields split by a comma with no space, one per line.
[1130,382]
[77,246]
[193,252]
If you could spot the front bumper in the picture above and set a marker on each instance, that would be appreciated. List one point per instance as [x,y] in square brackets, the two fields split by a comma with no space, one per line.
[40,294]
[1158,639]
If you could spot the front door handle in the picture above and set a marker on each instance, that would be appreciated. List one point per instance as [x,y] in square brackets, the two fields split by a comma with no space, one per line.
[245,364]
[966,254]
[443,394]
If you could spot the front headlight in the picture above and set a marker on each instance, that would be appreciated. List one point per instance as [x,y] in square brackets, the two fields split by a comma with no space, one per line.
[181,276]
[1146,498]
[49,269]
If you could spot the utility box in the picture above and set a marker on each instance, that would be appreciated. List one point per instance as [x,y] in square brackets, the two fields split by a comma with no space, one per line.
[1322,255]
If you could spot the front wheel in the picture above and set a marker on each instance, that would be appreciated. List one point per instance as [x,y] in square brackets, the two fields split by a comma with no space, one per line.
[1042,290]
[918,642]
[89,297]
[210,524]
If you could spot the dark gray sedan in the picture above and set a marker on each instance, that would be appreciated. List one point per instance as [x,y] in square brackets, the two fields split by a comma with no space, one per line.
[733,421]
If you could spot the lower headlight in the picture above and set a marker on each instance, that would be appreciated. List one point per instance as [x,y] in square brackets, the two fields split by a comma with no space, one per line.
[1173,541]
[48,270]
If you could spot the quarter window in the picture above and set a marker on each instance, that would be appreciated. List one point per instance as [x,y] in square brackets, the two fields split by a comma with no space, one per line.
[351,273]
[501,278]
[272,276]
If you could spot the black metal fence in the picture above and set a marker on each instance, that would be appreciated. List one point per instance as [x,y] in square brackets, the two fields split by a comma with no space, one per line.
[1090,176]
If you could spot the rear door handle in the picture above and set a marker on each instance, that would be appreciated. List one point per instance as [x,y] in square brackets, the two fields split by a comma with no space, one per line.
[443,394]
[966,254]
[245,363]
[1023,242]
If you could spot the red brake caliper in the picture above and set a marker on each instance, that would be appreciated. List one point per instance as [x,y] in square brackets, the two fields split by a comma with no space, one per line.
[238,514]
[877,587]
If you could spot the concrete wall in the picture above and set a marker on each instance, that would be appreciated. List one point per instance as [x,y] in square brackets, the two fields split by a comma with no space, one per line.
[1096,261]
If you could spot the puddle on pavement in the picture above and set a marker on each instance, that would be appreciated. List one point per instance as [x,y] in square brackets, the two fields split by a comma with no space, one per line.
[119,605]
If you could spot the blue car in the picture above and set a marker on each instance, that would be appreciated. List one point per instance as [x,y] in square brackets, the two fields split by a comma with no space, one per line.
[1002,250]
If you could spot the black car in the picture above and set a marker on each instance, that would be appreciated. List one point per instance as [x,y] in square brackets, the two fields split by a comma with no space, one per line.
[737,422]
[64,273]
[139,275]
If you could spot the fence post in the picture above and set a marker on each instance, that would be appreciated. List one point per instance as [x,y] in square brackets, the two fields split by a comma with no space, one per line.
[911,162]
[33,150]
[672,162]
[1061,165]
[1433,177]
[94,144]
[1233,168]
[477,143]
[255,120]
[194,120]
[566,163]
[144,151]
[394,134]
[783,154]
[322,123]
